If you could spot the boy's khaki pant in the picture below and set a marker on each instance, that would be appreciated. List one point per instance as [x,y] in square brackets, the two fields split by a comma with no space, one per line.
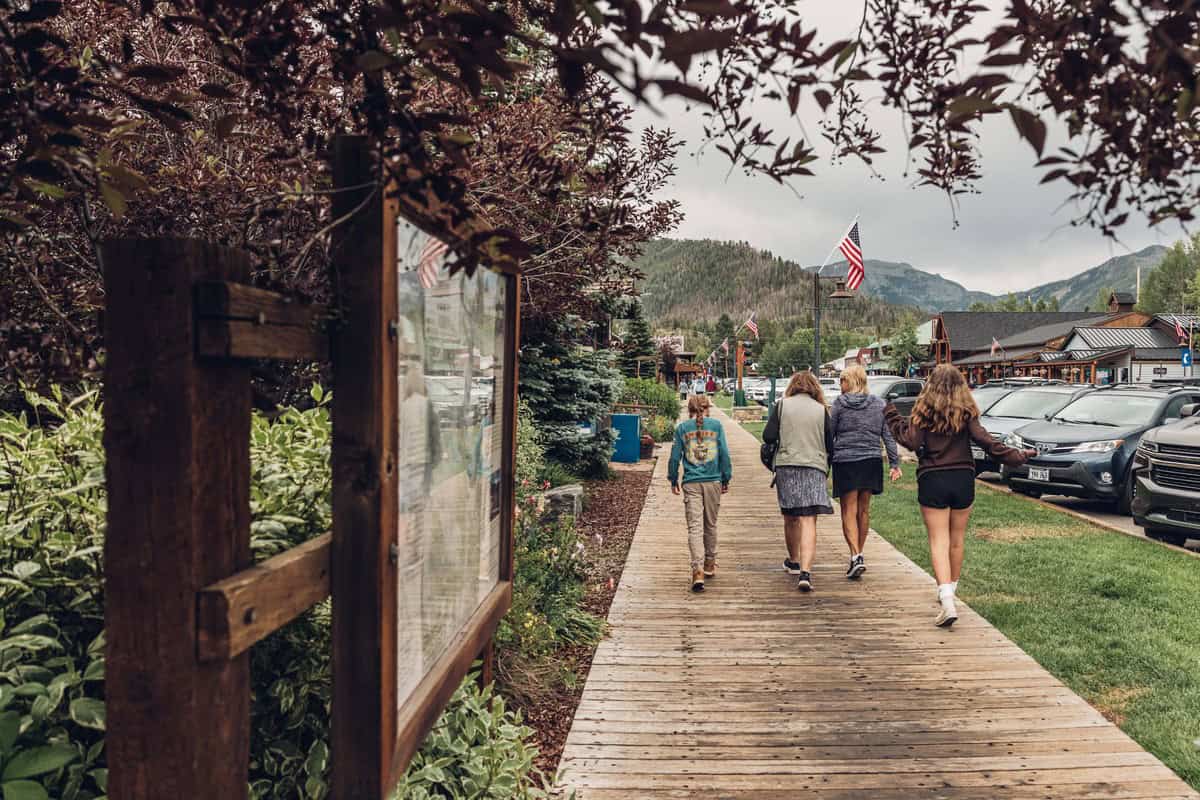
[701,502]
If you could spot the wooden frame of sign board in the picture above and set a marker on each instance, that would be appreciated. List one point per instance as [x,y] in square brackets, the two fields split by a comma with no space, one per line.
[374,735]
[184,601]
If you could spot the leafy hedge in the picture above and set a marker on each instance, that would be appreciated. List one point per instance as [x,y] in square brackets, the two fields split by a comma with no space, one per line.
[51,620]
[648,392]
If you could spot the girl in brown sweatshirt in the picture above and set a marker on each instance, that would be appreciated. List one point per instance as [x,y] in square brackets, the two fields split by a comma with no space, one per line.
[944,422]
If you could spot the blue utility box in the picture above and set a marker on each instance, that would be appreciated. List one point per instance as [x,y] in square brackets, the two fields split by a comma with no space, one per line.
[628,448]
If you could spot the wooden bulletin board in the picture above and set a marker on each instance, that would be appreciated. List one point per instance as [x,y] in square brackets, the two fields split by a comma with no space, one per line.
[423,459]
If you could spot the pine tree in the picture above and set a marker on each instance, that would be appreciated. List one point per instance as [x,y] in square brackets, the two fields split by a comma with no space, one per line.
[638,344]
[1163,289]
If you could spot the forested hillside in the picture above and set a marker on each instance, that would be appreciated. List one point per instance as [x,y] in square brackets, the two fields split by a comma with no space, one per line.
[1079,291]
[700,279]
[692,280]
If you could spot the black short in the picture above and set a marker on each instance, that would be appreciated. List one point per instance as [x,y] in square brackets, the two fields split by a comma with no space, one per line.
[858,476]
[949,488]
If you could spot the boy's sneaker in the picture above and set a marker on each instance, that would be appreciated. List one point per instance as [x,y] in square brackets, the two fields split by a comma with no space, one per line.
[710,567]
[857,567]
[697,580]
[805,582]
[791,567]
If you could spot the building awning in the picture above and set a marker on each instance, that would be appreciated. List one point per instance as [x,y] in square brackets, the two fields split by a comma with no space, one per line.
[1001,357]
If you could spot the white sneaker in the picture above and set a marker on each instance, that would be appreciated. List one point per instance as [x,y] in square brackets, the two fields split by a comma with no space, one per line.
[948,614]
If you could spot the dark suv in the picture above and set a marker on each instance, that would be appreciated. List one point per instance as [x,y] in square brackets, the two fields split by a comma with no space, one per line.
[900,392]
[1018,408]
[1086,449]
[1166,498]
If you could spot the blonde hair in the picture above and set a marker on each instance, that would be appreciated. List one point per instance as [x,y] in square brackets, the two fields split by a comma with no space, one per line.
[856,379]
[697,404]
[946,404]
[805,383]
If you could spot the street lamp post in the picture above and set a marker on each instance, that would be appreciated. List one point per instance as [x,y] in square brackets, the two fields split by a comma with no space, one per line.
[839,293]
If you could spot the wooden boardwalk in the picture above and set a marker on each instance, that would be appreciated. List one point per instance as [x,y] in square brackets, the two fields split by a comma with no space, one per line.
[754,690]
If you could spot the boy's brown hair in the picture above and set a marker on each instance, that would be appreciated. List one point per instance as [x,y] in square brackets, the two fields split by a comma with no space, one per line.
[697,404]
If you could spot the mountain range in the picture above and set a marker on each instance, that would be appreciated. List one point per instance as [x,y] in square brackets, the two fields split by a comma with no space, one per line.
[690,277]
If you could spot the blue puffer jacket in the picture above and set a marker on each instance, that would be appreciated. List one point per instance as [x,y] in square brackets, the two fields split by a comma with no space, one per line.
[858,426]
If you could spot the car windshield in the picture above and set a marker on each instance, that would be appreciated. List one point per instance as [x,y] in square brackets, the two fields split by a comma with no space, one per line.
[1116,410]
[878,386]
[985,396]
[1028,404]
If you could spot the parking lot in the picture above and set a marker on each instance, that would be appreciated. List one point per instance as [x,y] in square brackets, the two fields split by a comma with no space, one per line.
[1097,511]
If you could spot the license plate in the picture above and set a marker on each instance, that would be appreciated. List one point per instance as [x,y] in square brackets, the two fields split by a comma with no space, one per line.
[1039,474]
[976,453]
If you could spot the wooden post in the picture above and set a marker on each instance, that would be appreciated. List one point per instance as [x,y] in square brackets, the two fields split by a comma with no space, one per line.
[362,572]
[177,440]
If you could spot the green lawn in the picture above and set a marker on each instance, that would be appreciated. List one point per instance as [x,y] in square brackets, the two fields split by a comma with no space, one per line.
[723,401]
[1115,618]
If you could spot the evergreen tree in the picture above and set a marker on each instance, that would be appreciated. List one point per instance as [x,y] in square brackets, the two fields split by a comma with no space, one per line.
[721,331]
[638,344]
[1054,304]
[566,387]
[1101,301]
[1163,289]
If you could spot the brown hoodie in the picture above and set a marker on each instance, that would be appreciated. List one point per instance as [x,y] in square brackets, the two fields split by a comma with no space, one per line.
[948,450]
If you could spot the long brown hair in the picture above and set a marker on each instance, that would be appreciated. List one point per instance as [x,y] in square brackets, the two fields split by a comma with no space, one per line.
[805,383]
[946,404]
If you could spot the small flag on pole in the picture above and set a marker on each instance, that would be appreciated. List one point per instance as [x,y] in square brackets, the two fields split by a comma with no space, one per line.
[995,345]
[752,325]
[725,345]
[1179,331]
[851,247]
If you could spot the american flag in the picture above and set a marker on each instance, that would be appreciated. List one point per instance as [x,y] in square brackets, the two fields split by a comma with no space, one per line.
[752,325]
[1179,334]
[995,345]
[428,262]
[851,248]
[725,345]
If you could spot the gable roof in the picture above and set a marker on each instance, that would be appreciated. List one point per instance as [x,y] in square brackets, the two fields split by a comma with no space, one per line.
[1102,338]
[973,330]
[1044,333]
[1124,298]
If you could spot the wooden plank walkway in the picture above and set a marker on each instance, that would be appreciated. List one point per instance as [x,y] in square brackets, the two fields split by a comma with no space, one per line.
[754,690]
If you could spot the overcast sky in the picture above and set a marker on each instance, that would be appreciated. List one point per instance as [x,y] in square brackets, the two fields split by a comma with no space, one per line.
[1013,236]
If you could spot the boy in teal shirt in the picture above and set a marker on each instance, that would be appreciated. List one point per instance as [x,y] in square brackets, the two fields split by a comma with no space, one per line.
[700,446]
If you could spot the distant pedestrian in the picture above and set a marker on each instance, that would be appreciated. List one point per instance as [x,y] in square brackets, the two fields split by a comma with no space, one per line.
[800,424]
[944,422]
[858,429]
[707,469]
[710,385]
[698,385]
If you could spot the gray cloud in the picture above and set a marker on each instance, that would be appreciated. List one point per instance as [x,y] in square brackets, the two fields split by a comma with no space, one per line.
[1014,235]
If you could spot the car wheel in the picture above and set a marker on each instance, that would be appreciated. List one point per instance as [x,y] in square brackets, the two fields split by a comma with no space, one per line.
[1166,535]
[1125,498]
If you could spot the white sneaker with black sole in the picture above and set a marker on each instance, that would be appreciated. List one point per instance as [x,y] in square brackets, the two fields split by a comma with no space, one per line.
[857,567]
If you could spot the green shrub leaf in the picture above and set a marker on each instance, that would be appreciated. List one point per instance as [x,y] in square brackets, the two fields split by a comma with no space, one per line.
[23,790]
[38,761]
[88,712]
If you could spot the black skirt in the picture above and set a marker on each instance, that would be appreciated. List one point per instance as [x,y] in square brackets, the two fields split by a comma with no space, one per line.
[858,476]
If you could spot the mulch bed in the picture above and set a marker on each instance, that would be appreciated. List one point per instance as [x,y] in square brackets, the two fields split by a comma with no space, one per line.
[610,517]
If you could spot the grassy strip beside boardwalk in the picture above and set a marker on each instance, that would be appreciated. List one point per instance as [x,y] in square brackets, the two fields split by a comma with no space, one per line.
[1115,618]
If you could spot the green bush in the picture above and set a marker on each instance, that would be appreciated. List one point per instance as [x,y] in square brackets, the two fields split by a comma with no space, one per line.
[51,619]
[644,391]
[478,749]
[661,429]
[531,455]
